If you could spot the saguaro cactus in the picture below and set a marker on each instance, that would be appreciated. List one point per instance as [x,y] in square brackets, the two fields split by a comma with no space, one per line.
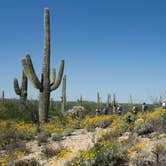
[108,101]
[81,101]
[98,100]
[114,103]
[3,96]
[45,86]
[21,91]
[63,102]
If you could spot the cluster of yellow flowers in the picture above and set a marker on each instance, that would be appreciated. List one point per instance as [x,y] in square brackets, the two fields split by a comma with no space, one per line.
[6,158]
[23,127]
[136,148]
[82,155]
[138,121]
[86,154]
[51,128]
[64,154]
[93,120]
[155,115]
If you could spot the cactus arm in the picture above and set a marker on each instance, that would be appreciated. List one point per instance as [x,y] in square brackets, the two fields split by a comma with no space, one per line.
[30,72]
[59,78]
[24,85]
[53,76]
[16,87]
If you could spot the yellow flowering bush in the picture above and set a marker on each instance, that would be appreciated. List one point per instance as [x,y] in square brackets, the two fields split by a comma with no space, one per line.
[102,121]
[136,148]
[63,154]
[4,159]
[93,120]
[11,130]
[14,156]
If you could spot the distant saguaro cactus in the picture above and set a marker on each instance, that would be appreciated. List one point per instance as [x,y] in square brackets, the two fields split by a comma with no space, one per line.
[108,101]
[21,90]
[3,96]
[44,85]
[114,103]
[81,101]
[98,100]
[63,102]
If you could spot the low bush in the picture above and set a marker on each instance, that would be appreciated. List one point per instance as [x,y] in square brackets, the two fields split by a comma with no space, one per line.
[49,152]
[27,162]
[56,136]
[143,128]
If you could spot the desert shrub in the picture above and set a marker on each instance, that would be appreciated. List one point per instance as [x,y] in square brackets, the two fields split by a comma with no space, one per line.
[90,128]
[163,122]
[56,136]
[143,128]
[104,152]
[49,152]
[159,152]
[10,157]
[102,121]
[129,117]
[77,112]
[14,109]
[42,138]
[141,159]
[68,131]
[27,162]
[12,131]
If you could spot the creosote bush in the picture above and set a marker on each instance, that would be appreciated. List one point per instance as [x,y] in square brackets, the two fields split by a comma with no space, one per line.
[49,151]
[27,162]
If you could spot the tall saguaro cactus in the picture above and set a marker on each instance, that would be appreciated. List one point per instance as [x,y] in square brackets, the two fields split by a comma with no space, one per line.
[44,85]
[3,96]
[114,103]
[108,101]
[81,101]
[98,100]
[63,102]
[21,91]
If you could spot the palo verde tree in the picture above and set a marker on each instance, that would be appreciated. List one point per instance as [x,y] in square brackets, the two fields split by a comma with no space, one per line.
[44,85]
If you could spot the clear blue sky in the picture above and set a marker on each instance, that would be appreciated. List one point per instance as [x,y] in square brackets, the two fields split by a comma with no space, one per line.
[116,46]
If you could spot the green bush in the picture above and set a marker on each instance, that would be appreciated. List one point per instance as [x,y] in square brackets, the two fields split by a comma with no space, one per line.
[30,162]
[143,128]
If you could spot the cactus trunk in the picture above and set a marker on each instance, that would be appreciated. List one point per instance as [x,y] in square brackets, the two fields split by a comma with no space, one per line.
[98,100]
[43,106]
[63,103]
[108,101]
[114,103]
[81,101]
[3,96]
[44,96]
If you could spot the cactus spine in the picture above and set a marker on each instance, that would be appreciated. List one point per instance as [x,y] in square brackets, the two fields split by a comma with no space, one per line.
[63,102]
[45,86]
[21,91]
